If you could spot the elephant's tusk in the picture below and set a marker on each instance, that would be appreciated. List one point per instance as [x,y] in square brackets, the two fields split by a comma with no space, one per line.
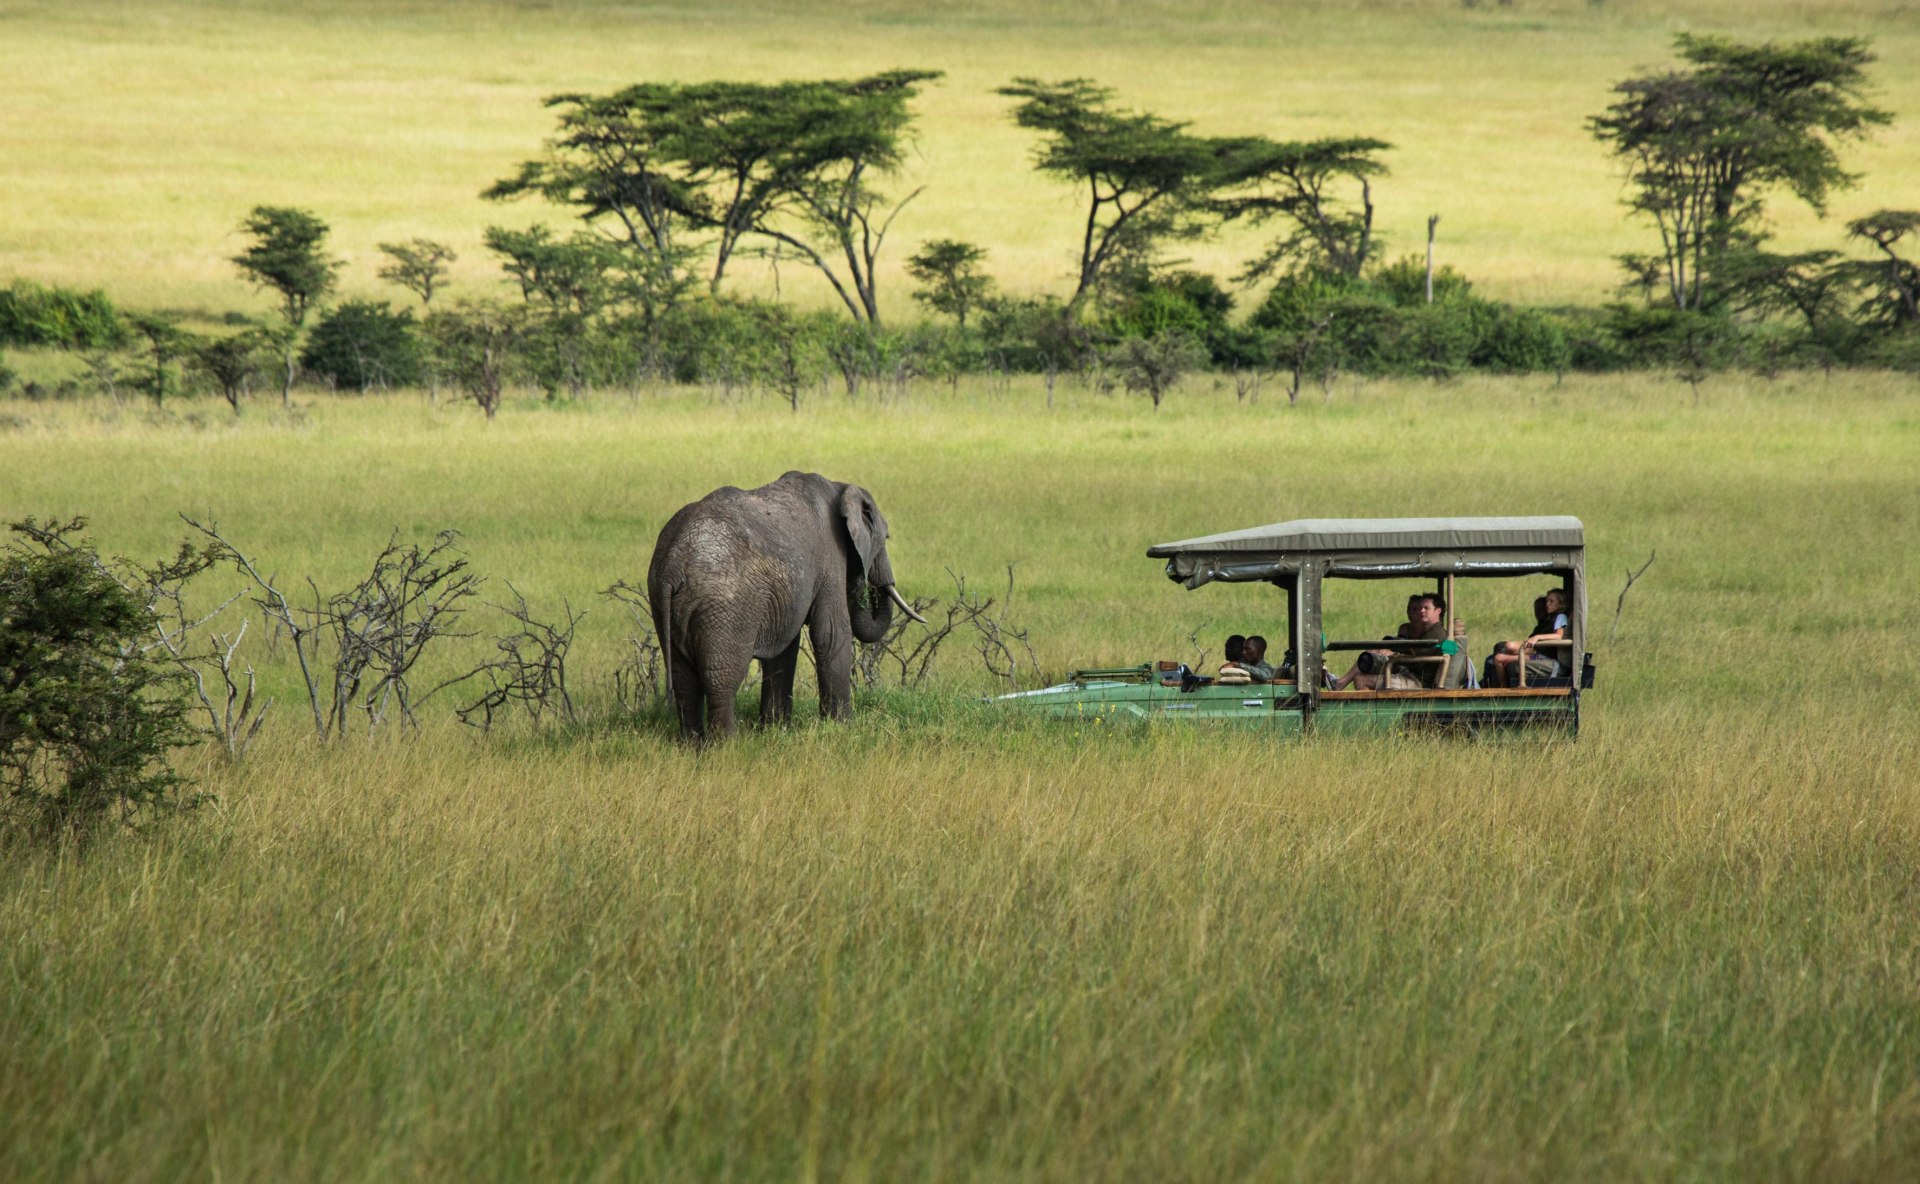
[904,606]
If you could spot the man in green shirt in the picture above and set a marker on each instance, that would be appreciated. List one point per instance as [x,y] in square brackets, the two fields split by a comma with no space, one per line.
[1425,613]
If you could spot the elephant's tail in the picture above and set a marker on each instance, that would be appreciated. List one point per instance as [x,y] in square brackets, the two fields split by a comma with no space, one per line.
[663,629]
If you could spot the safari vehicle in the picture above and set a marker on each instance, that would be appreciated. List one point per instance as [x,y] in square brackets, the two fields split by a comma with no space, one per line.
[1305,560]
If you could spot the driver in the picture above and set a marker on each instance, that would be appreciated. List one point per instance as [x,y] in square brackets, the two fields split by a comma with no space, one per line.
[1253,659]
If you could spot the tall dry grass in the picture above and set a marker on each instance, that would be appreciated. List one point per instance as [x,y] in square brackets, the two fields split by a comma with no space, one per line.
[934,942]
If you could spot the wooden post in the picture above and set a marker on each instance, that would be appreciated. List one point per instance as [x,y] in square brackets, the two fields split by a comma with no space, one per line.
[1433,220]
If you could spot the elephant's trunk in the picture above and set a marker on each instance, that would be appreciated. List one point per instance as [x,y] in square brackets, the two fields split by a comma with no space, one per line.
[870,610]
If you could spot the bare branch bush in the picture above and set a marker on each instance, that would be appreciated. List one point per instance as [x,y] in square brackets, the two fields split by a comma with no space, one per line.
[911,662]
[1199,651]
[907,657]
[995,639]
[531,668]
[367,641]
[636,681]
[383,625]
[1620,605]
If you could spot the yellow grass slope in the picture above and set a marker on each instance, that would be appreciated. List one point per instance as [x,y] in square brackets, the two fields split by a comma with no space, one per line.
[141,133]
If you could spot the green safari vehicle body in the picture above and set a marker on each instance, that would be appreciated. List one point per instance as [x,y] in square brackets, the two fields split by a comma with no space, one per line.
[1299,559]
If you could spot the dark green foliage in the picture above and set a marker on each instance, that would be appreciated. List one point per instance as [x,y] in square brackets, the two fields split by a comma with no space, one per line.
[476,347]
[232,363]
[1523,340]
[1032,337]
[1703,146]
[567,284]
[1147,178]
[366,345]
[948,272]
[86,720]
[1153,364]
[163,343]
[34,315]
[288,257]
[790,164]
[1184,302]
[1404,282]
[1892,280]
[1259,180]
[712,342]
[1322,322]
[418,265]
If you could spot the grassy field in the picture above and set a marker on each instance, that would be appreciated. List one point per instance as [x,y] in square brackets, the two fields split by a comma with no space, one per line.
[930,944]
[141,131]
[935,943]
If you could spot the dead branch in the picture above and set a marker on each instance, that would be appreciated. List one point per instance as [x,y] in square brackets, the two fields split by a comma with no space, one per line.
[995,641]
[531,669]
[636,682]
[1621,604]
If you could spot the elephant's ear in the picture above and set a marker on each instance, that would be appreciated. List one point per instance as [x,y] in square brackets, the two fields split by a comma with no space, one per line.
[863,524]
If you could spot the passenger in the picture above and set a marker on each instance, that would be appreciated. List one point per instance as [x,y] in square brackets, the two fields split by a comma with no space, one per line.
[1236,645]
[1550,624]
[1425,611]
[1499,665]
[1254,660]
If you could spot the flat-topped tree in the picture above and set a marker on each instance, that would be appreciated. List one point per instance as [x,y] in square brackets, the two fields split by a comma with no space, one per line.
[1894,278]
[1147,178]
[615,162]
[419,265]
[1703,146]
[1260,180]
[792,163]
[288,257]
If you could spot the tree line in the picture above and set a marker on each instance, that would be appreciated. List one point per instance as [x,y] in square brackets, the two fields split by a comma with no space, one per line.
[671,184]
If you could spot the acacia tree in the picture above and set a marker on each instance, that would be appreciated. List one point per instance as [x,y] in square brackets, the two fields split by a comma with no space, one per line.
[1703,146]
[419,265]
[949,274]
[614,162]
[567,283]
[164,343]
[1261,180]
[231,362]
[851,132]
[1147,179]
[792,163]
[1894,279]
[288,257]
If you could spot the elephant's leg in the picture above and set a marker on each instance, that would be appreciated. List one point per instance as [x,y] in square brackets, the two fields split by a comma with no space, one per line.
[723,677]
[833,664]
[689,699]
[776,684]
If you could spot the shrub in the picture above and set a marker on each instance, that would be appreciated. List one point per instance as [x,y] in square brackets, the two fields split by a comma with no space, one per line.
[1184,303]
[364,344]
[86,719]
[1404,283]
[31,314]
[1521,340]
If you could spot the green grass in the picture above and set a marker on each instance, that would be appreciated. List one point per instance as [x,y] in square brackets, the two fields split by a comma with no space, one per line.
[141,133]
[930,943]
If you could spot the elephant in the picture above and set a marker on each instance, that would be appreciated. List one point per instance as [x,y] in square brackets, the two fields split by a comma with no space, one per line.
[736,574]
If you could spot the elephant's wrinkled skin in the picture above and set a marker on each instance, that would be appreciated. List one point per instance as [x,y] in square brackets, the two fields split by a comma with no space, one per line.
[736,574]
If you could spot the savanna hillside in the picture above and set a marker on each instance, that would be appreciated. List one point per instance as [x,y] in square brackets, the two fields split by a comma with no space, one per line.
[144,132]
[931,942]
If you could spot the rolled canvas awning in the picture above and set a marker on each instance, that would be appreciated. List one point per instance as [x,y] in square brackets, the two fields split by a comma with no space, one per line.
[1378,548]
